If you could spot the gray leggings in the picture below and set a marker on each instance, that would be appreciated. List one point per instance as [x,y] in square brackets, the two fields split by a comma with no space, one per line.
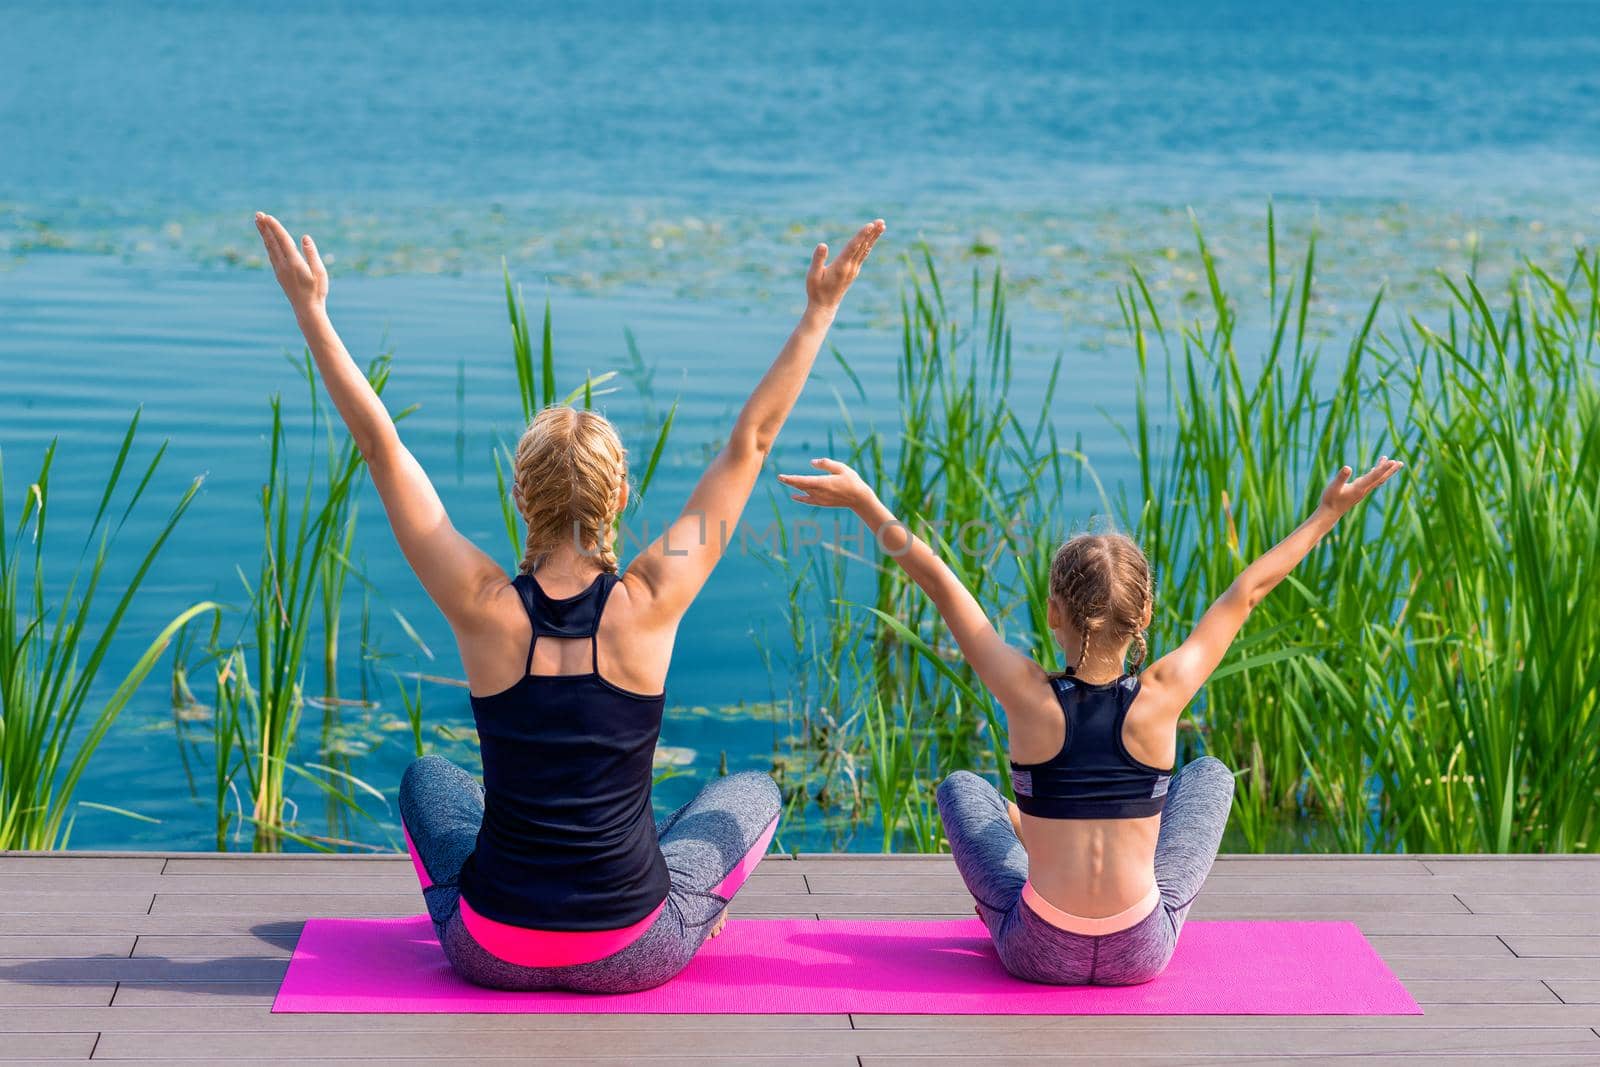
[994,865]
[706,843]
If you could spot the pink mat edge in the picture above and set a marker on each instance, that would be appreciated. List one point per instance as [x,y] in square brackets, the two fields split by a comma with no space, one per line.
[503,1003]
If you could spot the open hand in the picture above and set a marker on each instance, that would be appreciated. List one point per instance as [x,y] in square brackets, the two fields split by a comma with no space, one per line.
[838,487]
[1343,494]
[299,268]
[826,283]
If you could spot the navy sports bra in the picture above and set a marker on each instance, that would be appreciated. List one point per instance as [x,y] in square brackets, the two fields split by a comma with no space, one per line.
[1093,776]
[568,840]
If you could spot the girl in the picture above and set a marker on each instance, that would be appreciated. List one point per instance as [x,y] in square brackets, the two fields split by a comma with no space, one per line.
[1090,881]
[553,874]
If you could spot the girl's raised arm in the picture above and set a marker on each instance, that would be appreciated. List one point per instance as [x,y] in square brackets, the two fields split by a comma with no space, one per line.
[1016,681]
[1175,678]
[672,569]
[457,575]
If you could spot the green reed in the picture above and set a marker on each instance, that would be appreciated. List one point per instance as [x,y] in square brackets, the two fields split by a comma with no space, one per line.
[54,712]
[1502,676]
[306,535]
[1425,681]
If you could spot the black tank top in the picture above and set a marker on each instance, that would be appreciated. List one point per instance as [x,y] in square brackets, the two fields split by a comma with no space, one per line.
[568,840]
[1093,776]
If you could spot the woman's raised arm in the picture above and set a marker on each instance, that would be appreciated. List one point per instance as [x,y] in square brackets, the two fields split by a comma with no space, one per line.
[457,575]
[672,569]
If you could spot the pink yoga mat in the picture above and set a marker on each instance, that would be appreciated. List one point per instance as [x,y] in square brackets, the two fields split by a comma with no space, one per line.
[803,966]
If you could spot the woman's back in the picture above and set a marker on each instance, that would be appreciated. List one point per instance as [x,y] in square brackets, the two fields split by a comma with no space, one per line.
[568,836]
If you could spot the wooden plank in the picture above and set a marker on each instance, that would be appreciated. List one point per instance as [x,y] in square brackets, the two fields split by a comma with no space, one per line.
[286,905]
[1330,906]
[49,1046]
[1557,865]
[1442,991]
[1306,884]
[1476,945]
[399,882]
[1554,945]
[1558,925]
[287,865]
[25,946]
[1409,967]
[558,1045]
[564,1045]
[108,902]
[396,882]
[168,923]
[1378,882]
[919,883]
[1576,990]
[1529,903]
[59,863]
[215,996]
[1320,865]
[15,994]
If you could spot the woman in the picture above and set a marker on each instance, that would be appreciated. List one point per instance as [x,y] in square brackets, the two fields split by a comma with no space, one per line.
[553,874]
[1088,878]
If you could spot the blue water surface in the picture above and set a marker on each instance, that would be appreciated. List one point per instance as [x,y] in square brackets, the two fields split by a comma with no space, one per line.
[666,170]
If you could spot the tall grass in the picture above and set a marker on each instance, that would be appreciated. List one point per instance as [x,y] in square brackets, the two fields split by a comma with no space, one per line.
[1503,674]
[1427,680]
[306,536]
[54,711]
[1231,460]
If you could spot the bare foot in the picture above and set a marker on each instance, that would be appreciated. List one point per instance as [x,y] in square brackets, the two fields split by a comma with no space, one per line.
[716,927]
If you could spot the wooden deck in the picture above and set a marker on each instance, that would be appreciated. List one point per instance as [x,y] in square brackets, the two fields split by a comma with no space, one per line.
[164,958]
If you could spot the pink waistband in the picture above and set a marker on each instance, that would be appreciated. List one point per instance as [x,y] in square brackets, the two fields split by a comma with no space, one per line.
[1078,924]
[528,947]
[550,948]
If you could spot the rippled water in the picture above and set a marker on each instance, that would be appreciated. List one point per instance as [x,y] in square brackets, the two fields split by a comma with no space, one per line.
[667,172]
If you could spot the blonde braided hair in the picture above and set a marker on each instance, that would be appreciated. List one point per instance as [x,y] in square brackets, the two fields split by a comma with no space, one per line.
[569,469]
[1102,582]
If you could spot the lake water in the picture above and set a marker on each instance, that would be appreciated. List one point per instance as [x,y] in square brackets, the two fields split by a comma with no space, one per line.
[666,173]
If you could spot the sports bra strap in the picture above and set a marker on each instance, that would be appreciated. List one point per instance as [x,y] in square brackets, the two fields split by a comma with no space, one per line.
[607,583]
[576,616]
